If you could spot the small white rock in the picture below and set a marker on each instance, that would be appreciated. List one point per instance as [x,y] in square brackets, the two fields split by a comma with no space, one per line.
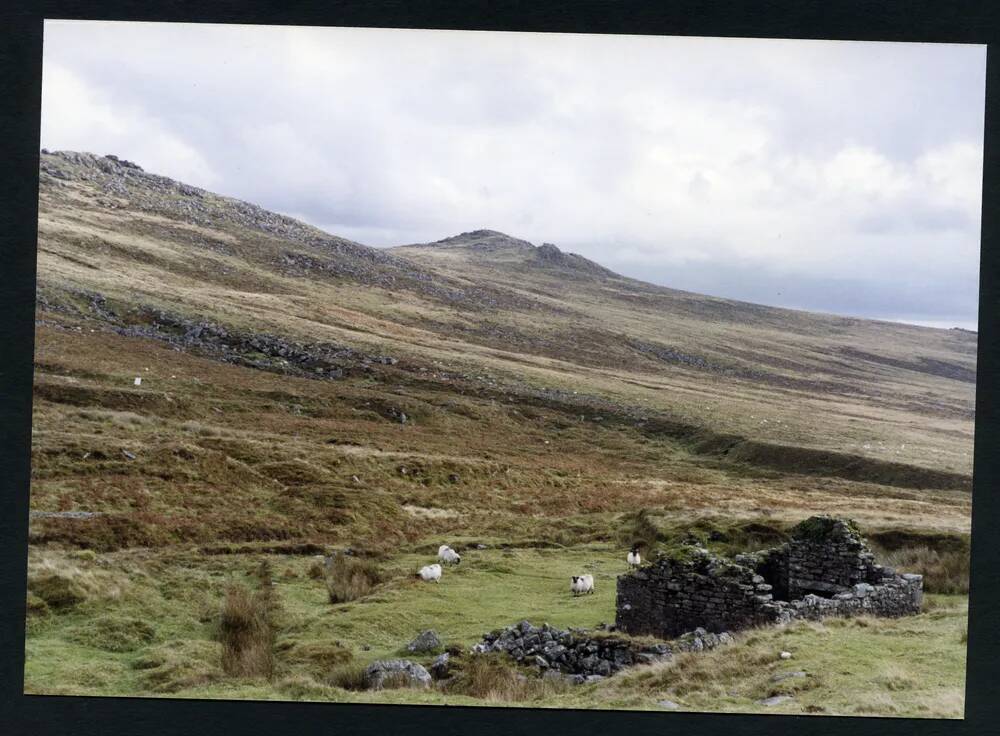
[785,655]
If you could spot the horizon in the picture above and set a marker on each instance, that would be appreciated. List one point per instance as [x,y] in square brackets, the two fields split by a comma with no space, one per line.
[849,173]
[934,324]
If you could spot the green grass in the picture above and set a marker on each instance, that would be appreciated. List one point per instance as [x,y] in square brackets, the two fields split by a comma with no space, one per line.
[208,467]
[489,589]
[911,666]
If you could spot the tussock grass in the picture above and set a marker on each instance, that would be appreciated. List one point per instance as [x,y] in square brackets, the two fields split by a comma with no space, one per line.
[349,578]
[57,589]
[247,629]
[61,584]
[35,605]
[246,635]
[316,570]
[114,633]
[492,678]
[743,667]
[349,677]
[179,665]
[316,658]
[894,677]
[945,571]
[304,687]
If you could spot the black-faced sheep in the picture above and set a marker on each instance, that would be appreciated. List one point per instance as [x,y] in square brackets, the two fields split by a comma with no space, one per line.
[582,584]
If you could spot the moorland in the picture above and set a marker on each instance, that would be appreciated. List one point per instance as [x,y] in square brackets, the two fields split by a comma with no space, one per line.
[222,394]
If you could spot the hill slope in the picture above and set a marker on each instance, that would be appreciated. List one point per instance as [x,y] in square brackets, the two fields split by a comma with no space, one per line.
[503,314]
[217,386]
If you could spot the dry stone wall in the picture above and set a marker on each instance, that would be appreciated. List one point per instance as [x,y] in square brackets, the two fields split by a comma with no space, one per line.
[677,595]
[826,569]
[828,556]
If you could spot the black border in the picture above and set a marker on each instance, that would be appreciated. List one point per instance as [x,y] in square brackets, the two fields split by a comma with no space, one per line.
[959,21]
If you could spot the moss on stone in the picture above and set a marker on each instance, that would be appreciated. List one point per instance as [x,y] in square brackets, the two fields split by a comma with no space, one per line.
[683,553]
[817,528]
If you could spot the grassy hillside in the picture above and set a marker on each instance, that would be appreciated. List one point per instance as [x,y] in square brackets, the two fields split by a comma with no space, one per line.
[302,393]
[746,368]
[913,667]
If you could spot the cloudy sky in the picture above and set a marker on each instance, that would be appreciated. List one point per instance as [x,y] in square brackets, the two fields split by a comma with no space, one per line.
[833,176]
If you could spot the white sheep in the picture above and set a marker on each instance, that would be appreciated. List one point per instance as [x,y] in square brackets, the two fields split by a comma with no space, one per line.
[431,573]
[634,558]
[448,555]
[582,584]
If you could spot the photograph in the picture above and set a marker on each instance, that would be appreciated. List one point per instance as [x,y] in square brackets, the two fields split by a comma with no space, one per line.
[504,369]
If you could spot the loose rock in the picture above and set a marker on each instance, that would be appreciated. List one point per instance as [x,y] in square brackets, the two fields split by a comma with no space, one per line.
[426,641]
[441,666]
[413,674]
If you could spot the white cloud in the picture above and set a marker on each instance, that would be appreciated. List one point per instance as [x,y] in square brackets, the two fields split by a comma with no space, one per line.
[79,115]
[828,162]
[954,173]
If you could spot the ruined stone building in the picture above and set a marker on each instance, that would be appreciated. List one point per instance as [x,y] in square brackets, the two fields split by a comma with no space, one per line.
[825,569]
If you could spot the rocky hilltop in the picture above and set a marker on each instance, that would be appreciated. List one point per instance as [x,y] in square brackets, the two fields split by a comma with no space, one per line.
[504,251]
[118,243]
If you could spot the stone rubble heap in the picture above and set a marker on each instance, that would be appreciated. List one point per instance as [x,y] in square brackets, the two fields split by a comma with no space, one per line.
[584,656]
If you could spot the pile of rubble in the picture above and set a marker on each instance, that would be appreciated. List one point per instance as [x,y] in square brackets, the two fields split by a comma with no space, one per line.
[587,656]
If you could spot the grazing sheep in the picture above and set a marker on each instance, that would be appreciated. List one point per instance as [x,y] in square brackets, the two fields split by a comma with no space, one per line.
[582,584]
[634,558]
[447,554]
[431,573]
